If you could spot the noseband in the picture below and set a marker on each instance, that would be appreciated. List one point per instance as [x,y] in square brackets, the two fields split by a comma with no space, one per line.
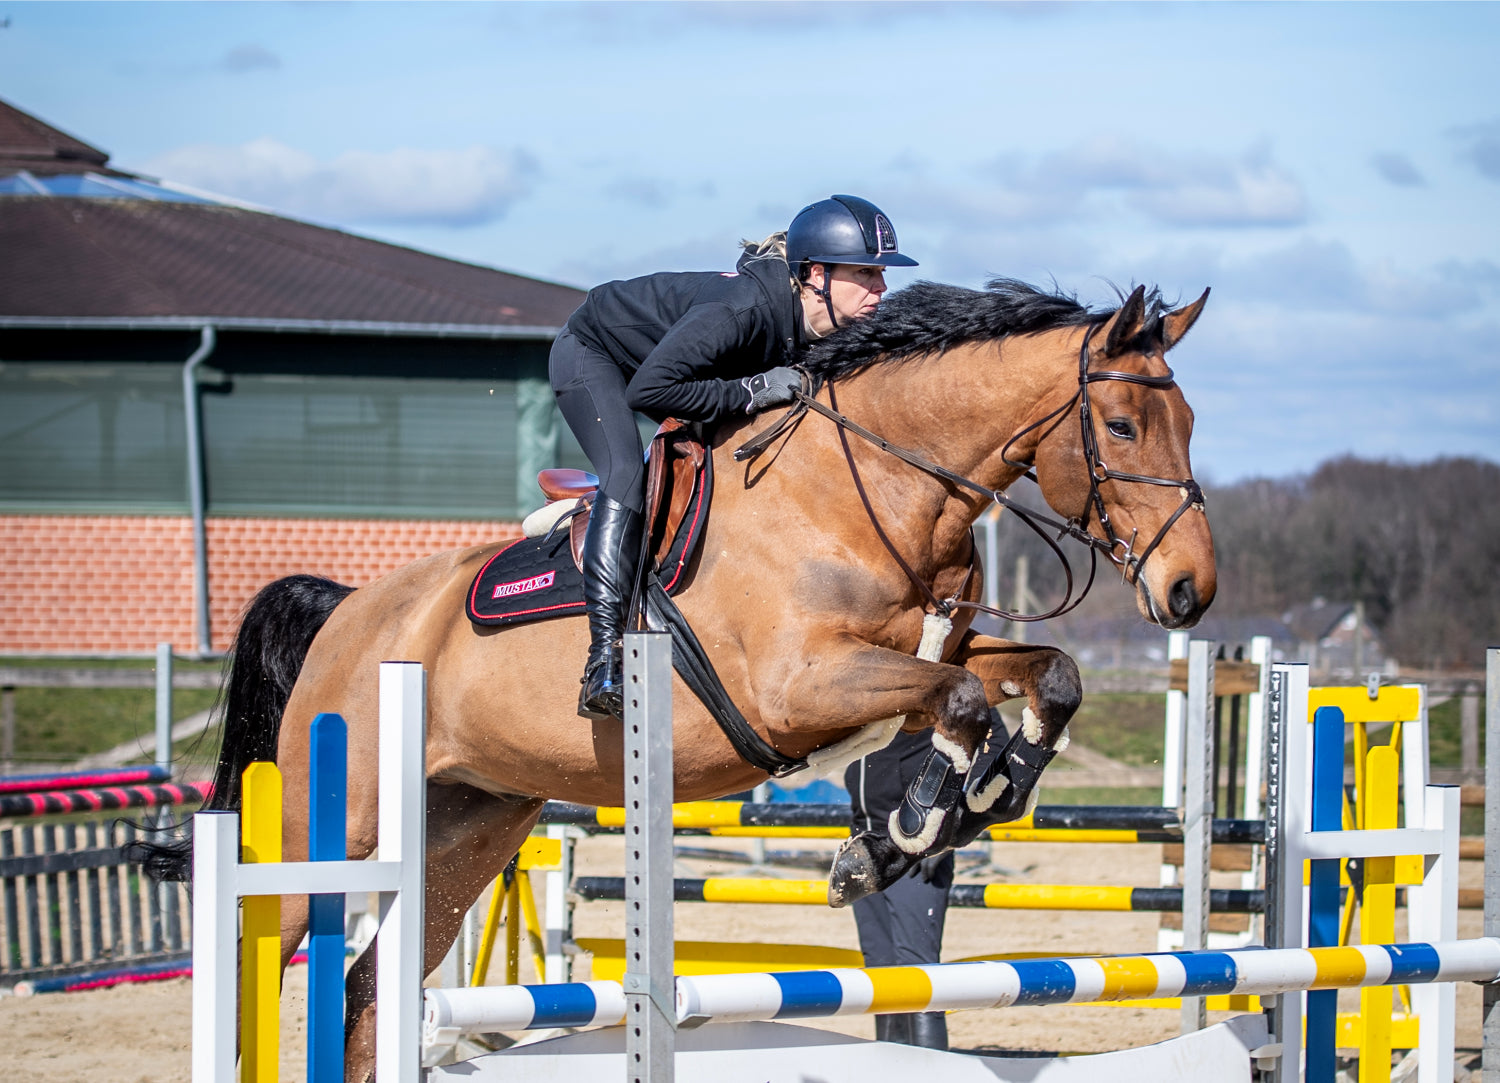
[1116,549]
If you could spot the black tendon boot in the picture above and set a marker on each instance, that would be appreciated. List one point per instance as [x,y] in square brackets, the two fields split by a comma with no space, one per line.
[611,550]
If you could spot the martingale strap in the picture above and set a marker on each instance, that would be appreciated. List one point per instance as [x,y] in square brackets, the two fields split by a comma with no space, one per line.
[697,672]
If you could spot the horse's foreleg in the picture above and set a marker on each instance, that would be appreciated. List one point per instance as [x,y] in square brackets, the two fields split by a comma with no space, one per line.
[1005,773]
[471,837]
[869,683]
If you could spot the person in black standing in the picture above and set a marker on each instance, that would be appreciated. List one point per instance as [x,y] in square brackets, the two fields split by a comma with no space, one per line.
[902,925]
[698,346]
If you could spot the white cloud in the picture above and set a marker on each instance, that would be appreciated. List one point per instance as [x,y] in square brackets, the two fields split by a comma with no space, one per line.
[438,187]
[1103,175]
[1324,275]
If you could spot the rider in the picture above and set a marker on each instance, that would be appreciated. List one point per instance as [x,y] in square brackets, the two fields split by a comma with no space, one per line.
[698,346]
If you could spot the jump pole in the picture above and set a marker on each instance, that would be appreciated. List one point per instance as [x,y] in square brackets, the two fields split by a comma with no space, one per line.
[220,880]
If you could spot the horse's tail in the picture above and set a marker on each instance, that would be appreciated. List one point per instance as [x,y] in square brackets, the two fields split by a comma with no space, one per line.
[274,637]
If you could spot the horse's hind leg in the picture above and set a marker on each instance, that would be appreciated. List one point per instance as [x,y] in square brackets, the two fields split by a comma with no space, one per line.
[471,837]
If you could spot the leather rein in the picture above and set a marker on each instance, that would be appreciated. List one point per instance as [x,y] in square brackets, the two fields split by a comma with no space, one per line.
[1119,551]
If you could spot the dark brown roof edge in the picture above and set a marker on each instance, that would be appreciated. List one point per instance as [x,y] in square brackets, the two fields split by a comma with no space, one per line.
[272,325]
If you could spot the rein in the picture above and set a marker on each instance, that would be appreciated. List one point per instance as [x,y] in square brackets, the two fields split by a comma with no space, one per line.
[1076,528]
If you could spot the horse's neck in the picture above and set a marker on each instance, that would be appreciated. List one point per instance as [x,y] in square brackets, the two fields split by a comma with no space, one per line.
[958,410]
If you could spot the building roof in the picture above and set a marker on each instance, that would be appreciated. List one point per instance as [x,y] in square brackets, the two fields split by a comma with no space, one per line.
[1316,620]
[29,143]
[84,243]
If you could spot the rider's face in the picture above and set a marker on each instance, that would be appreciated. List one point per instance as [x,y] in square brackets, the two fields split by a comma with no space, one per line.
[856,292]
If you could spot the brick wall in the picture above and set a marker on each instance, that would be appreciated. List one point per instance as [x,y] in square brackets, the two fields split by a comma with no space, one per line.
[121,584]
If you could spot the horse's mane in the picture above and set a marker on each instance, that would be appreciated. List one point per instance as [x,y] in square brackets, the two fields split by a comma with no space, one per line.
[927,318]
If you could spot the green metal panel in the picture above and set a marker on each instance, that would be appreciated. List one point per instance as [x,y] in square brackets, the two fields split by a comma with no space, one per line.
[98,435]
[104,436]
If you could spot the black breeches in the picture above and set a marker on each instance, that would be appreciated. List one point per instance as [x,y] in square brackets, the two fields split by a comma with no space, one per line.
[903,925]
[590,391]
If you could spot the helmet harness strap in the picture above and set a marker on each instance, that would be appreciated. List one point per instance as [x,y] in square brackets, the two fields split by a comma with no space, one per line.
[826,292]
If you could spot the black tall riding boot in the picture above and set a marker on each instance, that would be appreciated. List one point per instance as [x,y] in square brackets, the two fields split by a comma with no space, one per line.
[929,1030]
[611,550]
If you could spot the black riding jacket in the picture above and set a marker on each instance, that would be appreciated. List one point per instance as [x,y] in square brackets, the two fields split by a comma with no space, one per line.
[686,339]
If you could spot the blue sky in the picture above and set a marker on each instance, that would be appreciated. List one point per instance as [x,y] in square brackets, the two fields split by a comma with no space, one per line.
[1332,171]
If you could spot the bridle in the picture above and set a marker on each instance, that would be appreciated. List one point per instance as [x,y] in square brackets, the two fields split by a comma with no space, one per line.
[1119,551]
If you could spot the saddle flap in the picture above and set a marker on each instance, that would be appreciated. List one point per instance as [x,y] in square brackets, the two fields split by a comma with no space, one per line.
[678,484]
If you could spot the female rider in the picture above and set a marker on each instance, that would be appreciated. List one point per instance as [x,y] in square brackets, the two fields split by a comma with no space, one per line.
[698,346]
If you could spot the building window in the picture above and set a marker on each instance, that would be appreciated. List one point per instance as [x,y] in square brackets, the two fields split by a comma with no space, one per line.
[93,436]
[98,436]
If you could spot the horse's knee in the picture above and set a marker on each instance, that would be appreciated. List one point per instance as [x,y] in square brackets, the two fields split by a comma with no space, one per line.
[1059,688]
[963,713]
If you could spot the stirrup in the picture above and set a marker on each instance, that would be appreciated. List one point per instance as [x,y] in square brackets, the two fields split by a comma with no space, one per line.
[603,693]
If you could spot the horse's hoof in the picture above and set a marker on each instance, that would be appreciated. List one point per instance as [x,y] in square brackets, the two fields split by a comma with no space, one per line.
[865,864]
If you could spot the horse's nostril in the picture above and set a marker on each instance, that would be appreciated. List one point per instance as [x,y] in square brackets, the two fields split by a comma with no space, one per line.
[1182,599]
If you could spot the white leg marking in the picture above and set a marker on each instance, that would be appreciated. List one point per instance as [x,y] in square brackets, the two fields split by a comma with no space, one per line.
[1011,688]
[1031,725]
[1064,739]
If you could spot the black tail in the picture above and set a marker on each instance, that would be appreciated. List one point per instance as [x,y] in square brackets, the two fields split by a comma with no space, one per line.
[274,637]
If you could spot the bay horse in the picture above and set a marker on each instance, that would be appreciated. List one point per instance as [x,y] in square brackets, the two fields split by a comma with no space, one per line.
[822,556]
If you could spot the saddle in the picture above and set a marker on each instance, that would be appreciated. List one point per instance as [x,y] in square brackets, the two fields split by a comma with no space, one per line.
[674,461]
[534,578]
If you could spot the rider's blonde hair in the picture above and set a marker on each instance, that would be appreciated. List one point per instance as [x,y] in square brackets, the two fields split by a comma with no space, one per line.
[773,246]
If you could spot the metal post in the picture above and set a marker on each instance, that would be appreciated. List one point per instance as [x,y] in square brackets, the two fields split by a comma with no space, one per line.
[650,998]
[560,907]
[1018,628]
[1491,1063]
[1287,796]
[1171,757]
[760,795]
[1255,761]
[164,707]
[166,893]
[1197,815]
[1469,735]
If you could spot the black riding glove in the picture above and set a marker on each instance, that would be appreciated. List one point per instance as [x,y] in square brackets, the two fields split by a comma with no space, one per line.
[771,388]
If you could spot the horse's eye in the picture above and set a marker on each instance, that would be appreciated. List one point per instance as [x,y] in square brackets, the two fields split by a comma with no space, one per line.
[1121,428]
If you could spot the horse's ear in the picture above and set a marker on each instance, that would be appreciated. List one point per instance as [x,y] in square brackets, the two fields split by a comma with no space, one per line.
[1125,324]
[1176,324]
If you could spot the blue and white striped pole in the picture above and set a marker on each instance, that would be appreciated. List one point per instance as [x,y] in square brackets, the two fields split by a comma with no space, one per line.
[810,994]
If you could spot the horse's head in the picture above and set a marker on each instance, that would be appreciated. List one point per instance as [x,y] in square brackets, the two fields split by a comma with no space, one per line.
[1132,488]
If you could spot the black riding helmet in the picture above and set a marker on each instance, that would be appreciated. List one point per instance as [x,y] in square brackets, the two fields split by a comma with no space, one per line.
[843,229]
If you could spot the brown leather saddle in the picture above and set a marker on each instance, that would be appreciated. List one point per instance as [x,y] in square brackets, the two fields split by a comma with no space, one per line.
[679,473]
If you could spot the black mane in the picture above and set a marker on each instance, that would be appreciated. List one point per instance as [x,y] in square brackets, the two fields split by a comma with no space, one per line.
[927,318]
